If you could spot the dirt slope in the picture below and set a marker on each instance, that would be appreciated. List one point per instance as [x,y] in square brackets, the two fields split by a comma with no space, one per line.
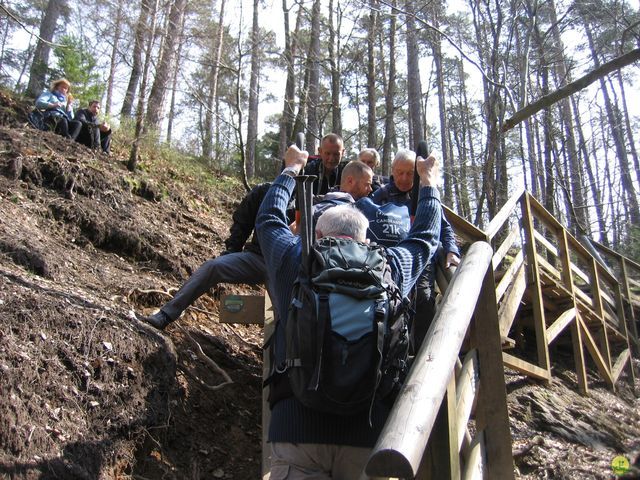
[85,390]
[88,392]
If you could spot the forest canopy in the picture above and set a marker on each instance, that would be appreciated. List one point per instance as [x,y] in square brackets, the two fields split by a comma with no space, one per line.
[482,82]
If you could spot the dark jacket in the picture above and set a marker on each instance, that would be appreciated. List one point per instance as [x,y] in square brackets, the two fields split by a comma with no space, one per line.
[389,193]
[86,116]
[325,182]
[377,183]
[244,221]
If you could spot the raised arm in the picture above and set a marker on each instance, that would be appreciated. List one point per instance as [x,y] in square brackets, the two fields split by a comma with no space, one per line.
[272,227]
[412,254]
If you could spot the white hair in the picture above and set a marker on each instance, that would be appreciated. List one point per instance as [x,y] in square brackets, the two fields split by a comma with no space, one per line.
[403,156]
[343,220]
[373,152]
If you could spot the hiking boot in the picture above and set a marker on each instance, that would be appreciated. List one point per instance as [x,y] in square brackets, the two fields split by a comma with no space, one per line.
[159,320]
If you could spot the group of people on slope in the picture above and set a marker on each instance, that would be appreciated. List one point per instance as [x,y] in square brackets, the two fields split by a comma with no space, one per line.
[305,443]
[82,126]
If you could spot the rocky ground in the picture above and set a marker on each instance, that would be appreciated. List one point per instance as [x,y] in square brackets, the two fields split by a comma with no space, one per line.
[89,392]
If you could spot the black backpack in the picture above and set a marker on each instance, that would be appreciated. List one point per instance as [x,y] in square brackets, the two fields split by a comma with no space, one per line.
[346,334]
[37,120]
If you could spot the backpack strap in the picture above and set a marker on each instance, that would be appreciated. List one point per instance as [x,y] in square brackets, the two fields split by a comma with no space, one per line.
[323,319]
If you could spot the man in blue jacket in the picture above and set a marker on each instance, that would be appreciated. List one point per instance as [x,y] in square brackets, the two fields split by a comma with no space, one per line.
[398,192]
[306,443]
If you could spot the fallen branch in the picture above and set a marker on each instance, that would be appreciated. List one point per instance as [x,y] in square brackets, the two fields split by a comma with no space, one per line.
[571,88]
[161,292]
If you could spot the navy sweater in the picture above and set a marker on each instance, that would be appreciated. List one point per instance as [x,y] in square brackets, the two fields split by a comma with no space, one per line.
[291,422]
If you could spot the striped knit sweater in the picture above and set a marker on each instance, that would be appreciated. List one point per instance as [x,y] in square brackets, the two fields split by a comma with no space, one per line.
[291,422]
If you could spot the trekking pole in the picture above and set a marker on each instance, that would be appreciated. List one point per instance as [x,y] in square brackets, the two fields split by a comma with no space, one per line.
[422,150]
[304,217]
[300,145]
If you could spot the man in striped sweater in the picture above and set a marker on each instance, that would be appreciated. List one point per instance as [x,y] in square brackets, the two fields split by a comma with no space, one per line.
[306,443]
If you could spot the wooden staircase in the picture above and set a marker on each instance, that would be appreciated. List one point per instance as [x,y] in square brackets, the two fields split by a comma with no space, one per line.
[540,285]
[525,288]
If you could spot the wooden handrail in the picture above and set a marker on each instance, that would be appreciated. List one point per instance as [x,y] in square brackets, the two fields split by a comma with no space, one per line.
[505,212]
[403,440]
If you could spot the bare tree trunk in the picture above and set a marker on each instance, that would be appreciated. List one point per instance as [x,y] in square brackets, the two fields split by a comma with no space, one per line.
[136,67]
[254,95]
[41,55]
[288,111]
[414,86]
[334,65]
[627,122]
[171,41]
[133,155]
[372,134]
[313,125]
[579,218]
[524,47]
[389,115]
[113,57]
[174,83]
[447,153]
[593,184]
[617,132]
[210,108]
[488,26]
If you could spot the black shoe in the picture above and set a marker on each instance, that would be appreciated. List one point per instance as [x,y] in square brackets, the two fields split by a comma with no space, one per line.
[159,320]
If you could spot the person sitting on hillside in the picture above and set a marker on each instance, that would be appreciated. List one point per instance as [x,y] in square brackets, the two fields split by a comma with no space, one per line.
[371,158]
[94,133]
[58,110]
[234,265]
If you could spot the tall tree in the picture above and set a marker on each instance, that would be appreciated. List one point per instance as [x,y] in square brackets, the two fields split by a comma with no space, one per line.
[414,85]
[214,71]
[168,56]
[618,134]
[578,212]
[290,49]
[40,63]
[254,94]
[447,152]
[115,45]
[334,64]
[136,65]
[133,155]
[313,64]
[174,82]
[372,28]
[390,90]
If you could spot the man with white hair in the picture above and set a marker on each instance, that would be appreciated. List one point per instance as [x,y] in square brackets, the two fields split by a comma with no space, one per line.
[307,443]
[398,192]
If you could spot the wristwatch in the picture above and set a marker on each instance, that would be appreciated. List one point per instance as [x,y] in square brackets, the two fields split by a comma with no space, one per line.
[291,171]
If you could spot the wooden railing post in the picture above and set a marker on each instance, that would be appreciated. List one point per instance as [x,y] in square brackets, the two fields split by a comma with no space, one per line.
[492,416]
[401,445]
[627,293]
[534,286]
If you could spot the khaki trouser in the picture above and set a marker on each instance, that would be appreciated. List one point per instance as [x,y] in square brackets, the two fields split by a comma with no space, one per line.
[312,461]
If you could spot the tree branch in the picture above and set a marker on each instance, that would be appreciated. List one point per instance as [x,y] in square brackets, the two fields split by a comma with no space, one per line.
[451,42]
[571,88]
[19,22]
